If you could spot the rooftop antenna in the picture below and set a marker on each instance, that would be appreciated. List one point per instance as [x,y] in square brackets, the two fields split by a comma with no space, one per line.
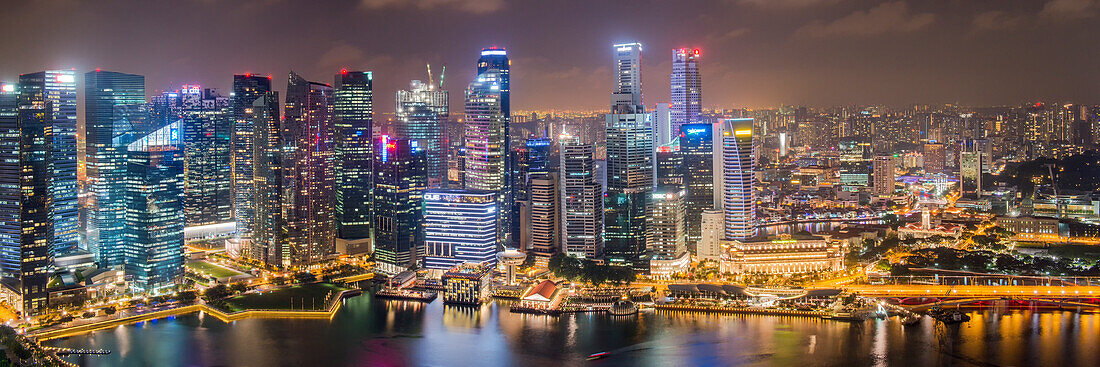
[430,81]
[441,75]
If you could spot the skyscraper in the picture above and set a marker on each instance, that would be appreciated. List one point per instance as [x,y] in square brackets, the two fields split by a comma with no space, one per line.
[206,151]
[663,124]
[970,173]
[308,172]
[487,159]
[686,85]
[532,158]
[421,111]
[496,59]
[247,90]
[883,169]
[738,160]
[265,195]
[153,234]
[582,201]
[26,222]
[399,183]
[697,150]
[630,157]
[109,98]
[544,217]
[354,120]
[712,233]
[666,235]
[58,89]
[460,227]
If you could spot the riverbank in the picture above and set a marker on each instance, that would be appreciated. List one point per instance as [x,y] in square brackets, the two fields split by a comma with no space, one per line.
[740,310]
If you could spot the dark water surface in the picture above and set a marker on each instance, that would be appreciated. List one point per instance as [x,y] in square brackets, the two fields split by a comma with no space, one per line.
[370,332]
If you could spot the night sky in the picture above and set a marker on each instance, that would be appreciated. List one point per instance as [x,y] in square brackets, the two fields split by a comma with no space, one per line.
[756,53]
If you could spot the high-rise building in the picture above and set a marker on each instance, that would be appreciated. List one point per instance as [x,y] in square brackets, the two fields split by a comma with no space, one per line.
[399,183]
[663,124]
[697,152]
[670,165]
[738,161]
[354,118]
[532,158]
[247,90]
[666,232]
[487,158]
[421,111]
[267,243]
[884,168]
[630,156]
[153,234]
[686,87]
[582,202]
[110,98]
[970,173]
[460,227]
[935,156]
[544,217]
[712,233]
[308,172]
[26,221]
[207,153]
[57,88]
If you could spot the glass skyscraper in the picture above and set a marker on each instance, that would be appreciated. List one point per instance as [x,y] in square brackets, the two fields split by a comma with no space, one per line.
[58,89]
[582,200]
[207,156]
[267,243]
[111,100]
[460,226]
[738,202]
[686,107]
[630,155]
[354,120]
[495,66]
[153,234]
[486,142]
[421,111]
[532,158]
[697,154]
[399,184]
[247,90]
[308,172]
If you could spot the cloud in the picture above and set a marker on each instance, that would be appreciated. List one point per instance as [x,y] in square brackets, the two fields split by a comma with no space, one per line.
[1060,10]
[893,17]
[471,6]
[996,20]
[733,34]
[785,4]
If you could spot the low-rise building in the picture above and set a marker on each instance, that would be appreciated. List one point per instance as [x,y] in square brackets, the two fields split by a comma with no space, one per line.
[785,254]
[542,296]
[467,284]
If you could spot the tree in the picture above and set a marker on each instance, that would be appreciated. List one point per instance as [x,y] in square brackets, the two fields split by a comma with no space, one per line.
[216,292]
[187,296]
[304,277]
[238,287]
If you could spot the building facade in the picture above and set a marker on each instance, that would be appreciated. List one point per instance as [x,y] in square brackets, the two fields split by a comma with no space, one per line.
[309,178]
[582,201]
[486,143]
[686,107]
[545,217]
[630,166]
[155,210]
[247,90]
[738,176]
[353,122]
[57,89]
[697,153]
[399,183]
[421,111]
[460,227]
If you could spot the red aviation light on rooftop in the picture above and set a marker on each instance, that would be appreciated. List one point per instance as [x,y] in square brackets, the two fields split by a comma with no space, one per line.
[98,70]
[696,52]
[344,71]
[247,75]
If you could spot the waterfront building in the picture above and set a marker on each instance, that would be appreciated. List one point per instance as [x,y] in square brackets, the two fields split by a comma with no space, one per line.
[354,118]
[460,226]
[544,217]
[711,234]
[26,221]
[666,237]
[265,228]
[582,202]
[467,284]
[109,100]
[57,89]
[686,84]
[155,214]
[533,158]
[542,296]
[738,161]
[206,129]
[697,154]
[421,111]
[630,166]
[308,172]
[487,159]
[399,184]
[243,111]
[885,171]
[787,254]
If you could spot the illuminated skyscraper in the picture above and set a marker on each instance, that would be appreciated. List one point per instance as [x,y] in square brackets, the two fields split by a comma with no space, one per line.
[630,157]
[697,152]
[153,233]
[267,243]
[883,170]
[582,201]
[26,222]
[544,217]
[494,60]
[666,236]
[421,111]
[110,98]
[460,227]
[399,183]
[308,172]
[487,136]
[58,89]
[532,158]
[247,90]
[354,120]
[206,151]
[686,85]
[738,198]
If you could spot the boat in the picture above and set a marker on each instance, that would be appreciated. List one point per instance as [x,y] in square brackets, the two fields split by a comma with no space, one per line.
[911,319]
[949,317]
[843,316]
[600,355]
[623,307]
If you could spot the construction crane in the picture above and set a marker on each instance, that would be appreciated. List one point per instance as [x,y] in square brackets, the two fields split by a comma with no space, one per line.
[1054,185]
[430,81]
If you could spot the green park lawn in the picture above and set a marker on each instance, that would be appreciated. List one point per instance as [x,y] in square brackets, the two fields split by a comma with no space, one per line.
[305,296]
[212,269]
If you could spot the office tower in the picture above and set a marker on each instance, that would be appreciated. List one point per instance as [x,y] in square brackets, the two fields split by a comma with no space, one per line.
[670,165]
[421,111]
[57,88]
[354,119]
[713,230]
[109,100]
[308,172]
[970,173]
[267,243]
[544,217]
[697,152]
[247,90]
[496,59]
[686,87]
[26,221]
[663,121]
[207,153]
[630,157]
[532,158]
[487,142]
[934,157]
[667,238]
[738,198]
[460,226]
[582,201]
[884,169]
[399,182]
[153,234]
